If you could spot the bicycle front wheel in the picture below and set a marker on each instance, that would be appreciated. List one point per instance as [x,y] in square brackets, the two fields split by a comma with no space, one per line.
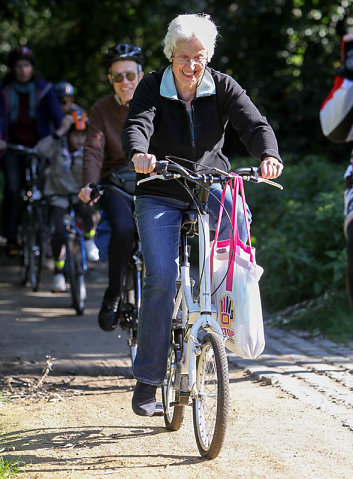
[211,404]
[75,273]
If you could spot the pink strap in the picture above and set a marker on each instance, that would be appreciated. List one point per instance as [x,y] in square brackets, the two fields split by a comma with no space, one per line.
[221,207]
[233,242]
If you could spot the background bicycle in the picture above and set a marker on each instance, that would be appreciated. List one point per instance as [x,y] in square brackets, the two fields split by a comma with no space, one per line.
[32,224]
[75,262]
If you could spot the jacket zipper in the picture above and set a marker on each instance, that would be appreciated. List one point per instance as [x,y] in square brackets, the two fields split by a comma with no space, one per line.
[190,129]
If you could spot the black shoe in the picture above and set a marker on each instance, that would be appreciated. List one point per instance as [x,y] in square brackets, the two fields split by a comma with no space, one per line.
[108,314]
[144,399]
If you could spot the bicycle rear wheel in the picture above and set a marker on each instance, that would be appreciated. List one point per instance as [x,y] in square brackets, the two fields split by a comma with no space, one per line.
[75,273]
[211,404]
[173,414]
[32,243]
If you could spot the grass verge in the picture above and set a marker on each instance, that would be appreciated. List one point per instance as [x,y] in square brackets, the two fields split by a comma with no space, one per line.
[330,316]
[9,469]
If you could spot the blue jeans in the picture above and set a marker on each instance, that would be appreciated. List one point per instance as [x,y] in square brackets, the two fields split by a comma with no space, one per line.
[158,222]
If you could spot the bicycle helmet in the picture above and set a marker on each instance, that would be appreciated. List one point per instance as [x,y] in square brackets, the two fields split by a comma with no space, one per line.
[81,121]
[123,51]
[20,53]
[64,88]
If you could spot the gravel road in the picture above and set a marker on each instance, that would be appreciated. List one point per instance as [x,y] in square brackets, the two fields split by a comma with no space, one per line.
[69,387]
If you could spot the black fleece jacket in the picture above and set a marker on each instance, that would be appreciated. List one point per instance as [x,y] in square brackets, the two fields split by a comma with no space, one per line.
[161,126]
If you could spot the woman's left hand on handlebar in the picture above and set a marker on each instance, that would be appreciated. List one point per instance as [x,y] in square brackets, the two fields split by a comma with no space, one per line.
[271,168]
[144,162]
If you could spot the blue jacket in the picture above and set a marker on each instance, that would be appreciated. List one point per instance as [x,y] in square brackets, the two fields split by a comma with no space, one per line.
[49,112]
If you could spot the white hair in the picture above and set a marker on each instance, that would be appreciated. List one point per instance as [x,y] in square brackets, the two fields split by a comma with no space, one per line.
[186,27]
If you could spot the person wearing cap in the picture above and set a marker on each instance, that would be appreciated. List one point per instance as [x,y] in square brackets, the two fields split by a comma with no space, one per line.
[104,162]
[29,111]
[65,93]
[64,150]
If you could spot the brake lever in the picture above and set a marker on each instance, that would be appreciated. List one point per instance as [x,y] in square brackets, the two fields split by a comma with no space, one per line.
[169,176]
[95,193]
[269,182]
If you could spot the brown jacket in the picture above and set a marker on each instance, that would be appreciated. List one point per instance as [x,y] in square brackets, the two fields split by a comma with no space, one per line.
[103,152]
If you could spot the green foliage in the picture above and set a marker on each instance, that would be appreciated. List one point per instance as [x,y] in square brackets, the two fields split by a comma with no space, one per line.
[284,52]
[298,232]
[331,317]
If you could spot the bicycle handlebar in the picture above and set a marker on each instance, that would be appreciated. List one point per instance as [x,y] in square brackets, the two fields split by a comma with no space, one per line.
[22,149]
[169,171]
[98,190]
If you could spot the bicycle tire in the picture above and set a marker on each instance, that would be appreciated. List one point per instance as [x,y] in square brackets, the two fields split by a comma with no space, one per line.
[31,238]
[24,253]
[173,415]
[76,274]
[37,249]
[133,346]
[211,404]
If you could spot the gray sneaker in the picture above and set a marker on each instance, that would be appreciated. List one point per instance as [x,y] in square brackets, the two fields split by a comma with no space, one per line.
[59,283]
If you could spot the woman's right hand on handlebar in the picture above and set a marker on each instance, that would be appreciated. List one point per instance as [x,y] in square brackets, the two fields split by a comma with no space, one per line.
[144,162]
[85,195]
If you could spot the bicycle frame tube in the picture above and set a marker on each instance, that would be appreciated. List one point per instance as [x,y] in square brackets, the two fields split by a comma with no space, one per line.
[71,228]
[197,315]
[204,263]
[83,249]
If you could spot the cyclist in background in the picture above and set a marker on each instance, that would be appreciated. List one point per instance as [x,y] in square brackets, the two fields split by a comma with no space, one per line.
[29,111]
[65,93]
[64,150]
[337,124]
[104,161]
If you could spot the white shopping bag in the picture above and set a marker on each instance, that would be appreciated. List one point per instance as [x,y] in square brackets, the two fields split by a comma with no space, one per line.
[235,287]
[238,302]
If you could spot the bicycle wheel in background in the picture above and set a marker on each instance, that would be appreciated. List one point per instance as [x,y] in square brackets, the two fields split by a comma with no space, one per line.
[75,273]
[211,404]
[173,414]
[32,244]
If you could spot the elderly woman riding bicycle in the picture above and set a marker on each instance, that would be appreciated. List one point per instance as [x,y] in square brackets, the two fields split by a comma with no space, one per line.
[181,110]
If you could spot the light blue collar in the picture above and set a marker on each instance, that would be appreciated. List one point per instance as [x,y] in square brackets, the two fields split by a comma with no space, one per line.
[167,89]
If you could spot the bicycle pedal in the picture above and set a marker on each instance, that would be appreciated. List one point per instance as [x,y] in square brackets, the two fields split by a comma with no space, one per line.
[159,411]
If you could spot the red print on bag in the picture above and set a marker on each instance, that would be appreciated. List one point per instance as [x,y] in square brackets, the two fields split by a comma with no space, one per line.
[227,310]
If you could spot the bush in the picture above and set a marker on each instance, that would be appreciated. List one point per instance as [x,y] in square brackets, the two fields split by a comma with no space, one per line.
[298,232]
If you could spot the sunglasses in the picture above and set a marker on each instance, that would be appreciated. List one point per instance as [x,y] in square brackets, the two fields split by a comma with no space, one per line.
[119,77]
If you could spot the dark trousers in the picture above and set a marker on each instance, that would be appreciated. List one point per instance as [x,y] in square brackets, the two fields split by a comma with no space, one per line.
[13,166]
[119,212]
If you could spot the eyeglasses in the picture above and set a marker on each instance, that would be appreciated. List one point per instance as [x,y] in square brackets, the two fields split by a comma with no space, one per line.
[65,101]
[119,77]
[183,59]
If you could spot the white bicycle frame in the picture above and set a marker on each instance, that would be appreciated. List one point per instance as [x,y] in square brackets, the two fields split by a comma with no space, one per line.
[196,315]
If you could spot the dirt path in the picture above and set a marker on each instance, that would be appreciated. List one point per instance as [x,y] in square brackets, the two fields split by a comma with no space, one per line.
[291,410]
